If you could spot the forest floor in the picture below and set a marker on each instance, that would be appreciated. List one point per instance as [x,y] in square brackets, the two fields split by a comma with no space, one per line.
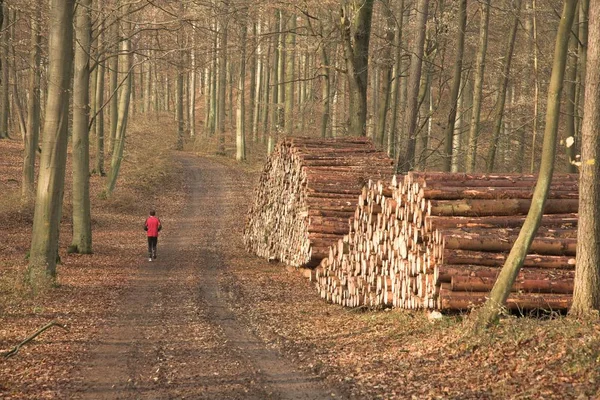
[208,320]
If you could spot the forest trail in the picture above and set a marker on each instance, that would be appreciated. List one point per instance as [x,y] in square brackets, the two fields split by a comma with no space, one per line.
[173,335]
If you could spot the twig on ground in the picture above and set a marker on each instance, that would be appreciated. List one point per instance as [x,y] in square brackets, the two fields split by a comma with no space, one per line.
[16,349]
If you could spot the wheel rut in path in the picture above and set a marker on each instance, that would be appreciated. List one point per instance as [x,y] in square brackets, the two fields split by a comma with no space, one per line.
[173,335]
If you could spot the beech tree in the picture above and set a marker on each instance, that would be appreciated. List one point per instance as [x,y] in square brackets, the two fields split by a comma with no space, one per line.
[33,112]
[49,198]
[406,161]
[586,294]
[356,34]
[82,223]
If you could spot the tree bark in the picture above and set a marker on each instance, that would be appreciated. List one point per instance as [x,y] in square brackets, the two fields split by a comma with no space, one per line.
[82,224]
[192,89]
[570,134]
[123,114]
[4,87]
[491,310]
[222,86]
[113,67]
[586,295]
[356,35]
[33,113]
[240,154]
[99,117]
[49,198]
[290,67]
[387,65]
[258,82]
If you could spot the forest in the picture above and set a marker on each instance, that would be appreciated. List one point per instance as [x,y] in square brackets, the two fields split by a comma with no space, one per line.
[112,108]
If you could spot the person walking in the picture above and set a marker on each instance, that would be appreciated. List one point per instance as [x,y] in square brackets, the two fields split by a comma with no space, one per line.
[152,226]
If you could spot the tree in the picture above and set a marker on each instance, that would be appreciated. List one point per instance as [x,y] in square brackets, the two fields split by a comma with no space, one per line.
[406,162]
[356,34]
[396,78]
[491,309]
[82,224]
[456,78]
[123,110]
[241,106]
[586,294]
[387,64]
[33,112]
[49,198]
[478,86]
[4,88]
[290,61]
[98,118]
[502,87]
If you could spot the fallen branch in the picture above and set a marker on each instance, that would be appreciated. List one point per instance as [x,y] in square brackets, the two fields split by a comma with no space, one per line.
[16,349]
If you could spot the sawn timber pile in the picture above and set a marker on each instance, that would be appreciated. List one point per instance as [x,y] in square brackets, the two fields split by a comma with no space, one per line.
[438,241]
[306,195]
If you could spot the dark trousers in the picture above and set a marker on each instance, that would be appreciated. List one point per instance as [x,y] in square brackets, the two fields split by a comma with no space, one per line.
[152,242]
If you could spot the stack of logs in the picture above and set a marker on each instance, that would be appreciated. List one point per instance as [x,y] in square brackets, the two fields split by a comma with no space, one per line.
[306,195]
[438,241]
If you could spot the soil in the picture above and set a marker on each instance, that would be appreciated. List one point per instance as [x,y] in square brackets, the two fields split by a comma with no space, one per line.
[173,334]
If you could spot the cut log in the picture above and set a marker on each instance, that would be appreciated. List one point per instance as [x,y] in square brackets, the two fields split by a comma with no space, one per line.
[306,194]
[485,284]
[479,208]
[453,256]
[460,301]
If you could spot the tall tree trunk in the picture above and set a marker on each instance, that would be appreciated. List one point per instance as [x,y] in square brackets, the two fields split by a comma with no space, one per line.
[253,75]
[240,154]
[123,114]
[281,54]
[503,85]
[536,86]
[180,77]
[113,67]
[192,89]
[5,84]
[49,198]
[458,130]
[222,95]
[386,65]
[266,108]
[258,82]
[356,35]
[570,134]
[290,67]
[82,224]
[393,137]
[456,78]
[478,86]
[491,309]
[33,113]
[407,162]
[213,110]
[586,294]
[99,117]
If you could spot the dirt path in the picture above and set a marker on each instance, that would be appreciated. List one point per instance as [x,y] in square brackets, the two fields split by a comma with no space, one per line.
[173,335]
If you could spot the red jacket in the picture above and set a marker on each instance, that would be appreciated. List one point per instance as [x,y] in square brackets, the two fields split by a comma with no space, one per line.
[152,225]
